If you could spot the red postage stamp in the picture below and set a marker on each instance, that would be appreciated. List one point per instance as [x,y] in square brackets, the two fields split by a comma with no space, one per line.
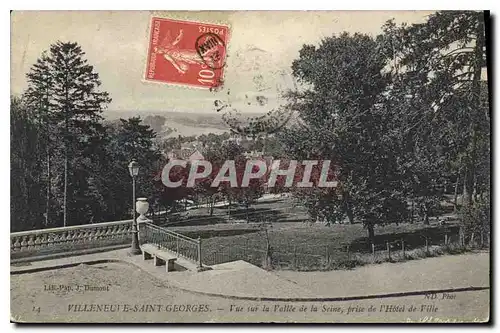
[186,53]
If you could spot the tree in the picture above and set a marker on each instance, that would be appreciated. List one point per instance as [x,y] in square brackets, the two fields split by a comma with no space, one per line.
[37,99]
[440,63]
[246,195]
[217,155]
[131,139]
[26,146]
[77,105]
[168,197]
[64,89]
[342,117]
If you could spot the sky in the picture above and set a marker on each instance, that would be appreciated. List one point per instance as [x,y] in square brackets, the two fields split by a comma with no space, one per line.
[261,49]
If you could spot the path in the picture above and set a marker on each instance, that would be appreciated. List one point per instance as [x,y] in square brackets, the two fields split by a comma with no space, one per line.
[241,279]
[135,296]
[450,271]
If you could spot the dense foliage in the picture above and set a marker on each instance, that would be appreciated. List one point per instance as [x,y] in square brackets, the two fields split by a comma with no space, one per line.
[404,116]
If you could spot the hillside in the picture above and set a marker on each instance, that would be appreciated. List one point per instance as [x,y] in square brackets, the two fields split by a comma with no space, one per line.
[170,124]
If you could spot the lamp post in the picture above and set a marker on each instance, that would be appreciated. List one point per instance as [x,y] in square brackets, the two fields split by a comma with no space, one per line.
[133,168]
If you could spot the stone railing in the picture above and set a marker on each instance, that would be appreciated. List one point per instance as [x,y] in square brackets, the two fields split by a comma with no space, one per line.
[44,242]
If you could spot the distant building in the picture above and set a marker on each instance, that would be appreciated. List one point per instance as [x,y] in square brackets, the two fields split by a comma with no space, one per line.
[196,156]
[236,138]
[185,154]
[254,154]
[190,151]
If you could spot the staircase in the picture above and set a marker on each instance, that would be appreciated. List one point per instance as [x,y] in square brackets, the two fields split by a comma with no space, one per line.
[165,247]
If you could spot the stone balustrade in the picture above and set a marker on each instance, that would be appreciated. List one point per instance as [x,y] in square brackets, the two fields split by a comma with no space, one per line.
[67,239]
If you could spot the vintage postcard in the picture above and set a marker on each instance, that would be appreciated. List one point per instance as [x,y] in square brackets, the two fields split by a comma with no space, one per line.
[250,167]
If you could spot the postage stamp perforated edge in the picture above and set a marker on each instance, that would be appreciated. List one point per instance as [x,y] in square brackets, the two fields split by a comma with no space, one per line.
[189,20]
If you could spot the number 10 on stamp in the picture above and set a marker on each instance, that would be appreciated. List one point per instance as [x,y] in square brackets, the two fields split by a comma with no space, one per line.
[186,53]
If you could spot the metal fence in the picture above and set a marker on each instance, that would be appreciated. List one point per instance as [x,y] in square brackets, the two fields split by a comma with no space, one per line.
[314,257]
[183,246]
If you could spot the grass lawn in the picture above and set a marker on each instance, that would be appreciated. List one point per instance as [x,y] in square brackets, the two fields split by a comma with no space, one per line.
[278,210]
[296,242]
[309,246]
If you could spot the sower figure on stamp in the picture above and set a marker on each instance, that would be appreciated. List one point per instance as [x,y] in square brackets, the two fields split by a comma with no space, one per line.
[179,58]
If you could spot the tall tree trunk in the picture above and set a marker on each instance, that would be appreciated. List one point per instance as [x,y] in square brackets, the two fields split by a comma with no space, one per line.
[47,198]
[65,200]
[348,208]
[464,193]
[426,218]
[455,196]
[350,215]
[469,175]
[47,128]
[475,191]
[66,152]
[371,233]
[412,213]
[426,214]
[476,99]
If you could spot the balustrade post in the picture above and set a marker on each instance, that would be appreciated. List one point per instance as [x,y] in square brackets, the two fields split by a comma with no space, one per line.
[17,244]
[31,242]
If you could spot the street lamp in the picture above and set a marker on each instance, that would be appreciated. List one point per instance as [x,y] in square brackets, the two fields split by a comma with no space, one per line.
[133,168]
